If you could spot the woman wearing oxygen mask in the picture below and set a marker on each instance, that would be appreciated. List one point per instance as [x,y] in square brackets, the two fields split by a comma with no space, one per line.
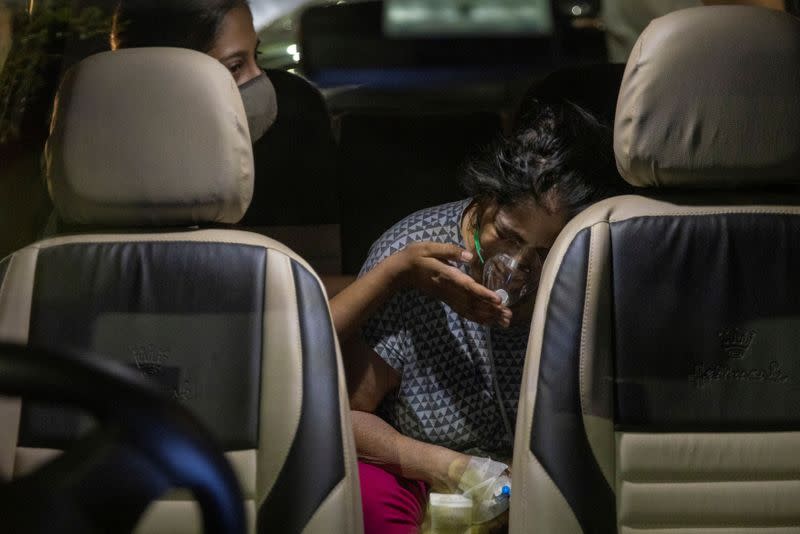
[434,375]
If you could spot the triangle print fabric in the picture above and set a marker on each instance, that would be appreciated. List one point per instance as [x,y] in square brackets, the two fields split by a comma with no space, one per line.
[446,395]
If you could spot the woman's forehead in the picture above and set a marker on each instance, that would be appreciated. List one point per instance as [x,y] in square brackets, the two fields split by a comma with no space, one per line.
[535,224]
[236,34]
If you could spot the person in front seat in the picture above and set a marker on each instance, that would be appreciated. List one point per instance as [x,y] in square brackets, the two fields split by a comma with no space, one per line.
[222,29]
[289,123]
[434,376]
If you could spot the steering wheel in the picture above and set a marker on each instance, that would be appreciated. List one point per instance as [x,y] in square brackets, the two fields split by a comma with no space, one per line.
[143,445]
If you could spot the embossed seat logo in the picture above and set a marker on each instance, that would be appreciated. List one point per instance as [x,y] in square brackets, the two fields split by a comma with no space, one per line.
[735,342]
[149,359]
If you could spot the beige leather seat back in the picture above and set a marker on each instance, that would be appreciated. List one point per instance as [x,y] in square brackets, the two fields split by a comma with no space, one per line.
[147,146]
[662,386]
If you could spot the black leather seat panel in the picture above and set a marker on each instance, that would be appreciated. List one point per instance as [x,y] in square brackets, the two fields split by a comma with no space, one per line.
[188,316]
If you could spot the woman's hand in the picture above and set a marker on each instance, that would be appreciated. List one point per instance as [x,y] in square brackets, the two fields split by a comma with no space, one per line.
[446,468]
[425,266]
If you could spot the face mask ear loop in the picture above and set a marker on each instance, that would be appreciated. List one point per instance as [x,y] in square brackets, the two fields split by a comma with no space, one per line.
[478,245]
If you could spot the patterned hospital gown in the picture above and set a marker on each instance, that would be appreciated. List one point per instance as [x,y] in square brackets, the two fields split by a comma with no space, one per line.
[446,395]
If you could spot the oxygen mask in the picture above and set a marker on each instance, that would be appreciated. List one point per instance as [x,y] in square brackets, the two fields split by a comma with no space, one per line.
[512,273]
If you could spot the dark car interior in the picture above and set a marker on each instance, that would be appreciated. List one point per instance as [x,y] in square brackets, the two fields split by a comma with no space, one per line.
[107,478]
[168,359]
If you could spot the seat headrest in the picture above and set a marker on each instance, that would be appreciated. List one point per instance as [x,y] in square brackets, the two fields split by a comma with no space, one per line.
[711,98]
[149,137]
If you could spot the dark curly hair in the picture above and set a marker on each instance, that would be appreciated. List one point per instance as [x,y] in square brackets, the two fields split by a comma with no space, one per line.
[561,157]
[192,24]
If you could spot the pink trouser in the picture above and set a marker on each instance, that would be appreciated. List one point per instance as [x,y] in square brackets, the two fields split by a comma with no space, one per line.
[392,504]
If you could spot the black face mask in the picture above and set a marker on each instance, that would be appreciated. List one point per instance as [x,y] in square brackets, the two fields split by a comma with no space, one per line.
[258,96]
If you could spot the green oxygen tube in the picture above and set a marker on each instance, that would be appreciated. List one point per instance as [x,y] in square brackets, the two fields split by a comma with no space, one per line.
[476,236]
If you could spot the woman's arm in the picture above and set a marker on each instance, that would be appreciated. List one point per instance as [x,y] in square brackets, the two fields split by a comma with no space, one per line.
[362,298]
[379,443]
[370,379]
[423,266]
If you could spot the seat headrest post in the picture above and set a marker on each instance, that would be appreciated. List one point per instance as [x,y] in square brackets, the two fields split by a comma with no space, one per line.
[711,99]
[149,137]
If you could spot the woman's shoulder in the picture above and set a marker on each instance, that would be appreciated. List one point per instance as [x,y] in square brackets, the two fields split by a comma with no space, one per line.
[438,224]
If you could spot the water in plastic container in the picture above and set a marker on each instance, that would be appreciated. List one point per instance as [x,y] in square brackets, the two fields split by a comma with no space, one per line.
[450,514]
